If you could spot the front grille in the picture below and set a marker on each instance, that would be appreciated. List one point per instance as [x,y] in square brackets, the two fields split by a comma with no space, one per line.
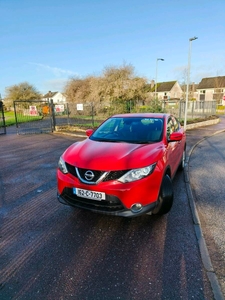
[113,175]
[97,174]
[110,204]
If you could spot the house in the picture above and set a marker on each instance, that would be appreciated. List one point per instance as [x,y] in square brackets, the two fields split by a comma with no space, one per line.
[212,88]
[57,97]
[170,90]
[192,91]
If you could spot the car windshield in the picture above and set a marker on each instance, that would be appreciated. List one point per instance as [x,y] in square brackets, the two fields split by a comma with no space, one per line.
[130,129]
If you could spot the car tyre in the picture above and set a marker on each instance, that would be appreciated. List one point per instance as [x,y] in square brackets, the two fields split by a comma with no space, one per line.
[182,162]
[165,200]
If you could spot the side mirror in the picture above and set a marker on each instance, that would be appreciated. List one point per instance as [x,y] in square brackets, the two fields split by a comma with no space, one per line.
[175,137]
[89,132]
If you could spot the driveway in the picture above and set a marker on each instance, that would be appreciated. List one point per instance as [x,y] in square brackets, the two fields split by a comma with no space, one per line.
[51,251]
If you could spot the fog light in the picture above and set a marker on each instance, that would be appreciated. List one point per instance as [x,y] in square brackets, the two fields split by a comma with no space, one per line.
[136,207]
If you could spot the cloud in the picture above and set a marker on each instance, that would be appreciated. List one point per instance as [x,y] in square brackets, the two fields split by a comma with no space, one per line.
[55,71]
[54,85]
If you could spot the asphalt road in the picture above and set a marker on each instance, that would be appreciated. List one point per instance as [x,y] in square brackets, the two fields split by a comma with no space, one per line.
[52,251]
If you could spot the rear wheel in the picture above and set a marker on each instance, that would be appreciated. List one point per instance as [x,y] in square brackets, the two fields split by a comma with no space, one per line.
[165,200]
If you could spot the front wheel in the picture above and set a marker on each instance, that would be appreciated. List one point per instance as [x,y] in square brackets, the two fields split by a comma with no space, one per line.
[165,200]
[182,162]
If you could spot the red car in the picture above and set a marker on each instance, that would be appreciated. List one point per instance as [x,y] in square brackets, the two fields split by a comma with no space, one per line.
[125,167]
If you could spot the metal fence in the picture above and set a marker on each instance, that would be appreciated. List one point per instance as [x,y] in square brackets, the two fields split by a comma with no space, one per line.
[71,114]
[196,109]
[46,116]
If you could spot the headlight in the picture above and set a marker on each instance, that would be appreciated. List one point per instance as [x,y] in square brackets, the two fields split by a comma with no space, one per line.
[137,174]
[62,166]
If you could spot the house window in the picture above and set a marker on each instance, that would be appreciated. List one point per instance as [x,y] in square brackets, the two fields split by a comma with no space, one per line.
[202,97]
[202,91]
[218,91]
[218,97]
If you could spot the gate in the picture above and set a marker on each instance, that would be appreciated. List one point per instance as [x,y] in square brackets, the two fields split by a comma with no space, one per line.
[33,116]
[2,119]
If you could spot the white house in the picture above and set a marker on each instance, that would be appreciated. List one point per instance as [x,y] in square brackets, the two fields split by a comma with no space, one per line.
[169,90]
[212,88]
[57,97]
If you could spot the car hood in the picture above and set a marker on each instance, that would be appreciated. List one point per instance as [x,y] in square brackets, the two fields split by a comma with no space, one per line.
[106,156]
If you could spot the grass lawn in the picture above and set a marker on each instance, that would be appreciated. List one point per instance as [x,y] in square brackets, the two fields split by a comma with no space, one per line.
[10,118]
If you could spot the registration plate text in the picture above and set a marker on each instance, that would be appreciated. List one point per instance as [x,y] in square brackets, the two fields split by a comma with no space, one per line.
[89,194]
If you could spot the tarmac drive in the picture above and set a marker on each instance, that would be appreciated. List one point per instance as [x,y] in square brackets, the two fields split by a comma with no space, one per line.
[51,251]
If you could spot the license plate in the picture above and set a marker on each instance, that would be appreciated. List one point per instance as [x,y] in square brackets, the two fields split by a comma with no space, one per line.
[89,194]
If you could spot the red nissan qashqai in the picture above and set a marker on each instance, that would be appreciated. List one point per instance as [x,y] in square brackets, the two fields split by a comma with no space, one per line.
[125,167]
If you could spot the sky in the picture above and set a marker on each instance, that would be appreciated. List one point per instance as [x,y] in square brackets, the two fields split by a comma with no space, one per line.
[48,42]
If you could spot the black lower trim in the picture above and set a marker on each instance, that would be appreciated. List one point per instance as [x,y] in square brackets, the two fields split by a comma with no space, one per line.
[111,206]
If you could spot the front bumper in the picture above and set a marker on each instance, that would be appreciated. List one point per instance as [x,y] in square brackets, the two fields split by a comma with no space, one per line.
[111,206]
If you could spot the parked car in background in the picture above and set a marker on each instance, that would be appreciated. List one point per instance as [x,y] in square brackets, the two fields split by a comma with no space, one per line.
[125,167]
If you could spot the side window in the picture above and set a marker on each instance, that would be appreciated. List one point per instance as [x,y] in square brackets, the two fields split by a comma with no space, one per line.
[176,124]
[170,127]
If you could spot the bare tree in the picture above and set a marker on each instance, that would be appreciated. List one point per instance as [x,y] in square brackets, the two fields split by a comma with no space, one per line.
[22,91]
[114,88]
[121,88]
[73,89]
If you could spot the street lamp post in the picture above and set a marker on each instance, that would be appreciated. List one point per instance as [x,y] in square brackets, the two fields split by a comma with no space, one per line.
[188,80]
[156,74]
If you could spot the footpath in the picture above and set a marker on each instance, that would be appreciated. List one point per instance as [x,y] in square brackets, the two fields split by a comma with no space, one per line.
[204,168]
